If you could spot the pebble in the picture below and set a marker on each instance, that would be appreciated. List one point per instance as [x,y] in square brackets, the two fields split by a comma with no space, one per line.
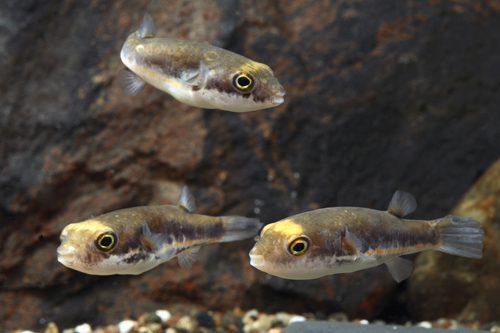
[126,325]
[296,319]
[144,329]
[425,324]
[263,324]
[250,316]
[164,315]
[338,316]
[149,317]
[162,321]
[275,330]
[186,323]
[52,328]
[83,328]
[108,329]
[446,323]
[232,322]
[205,319]
[154,327]
[283,317]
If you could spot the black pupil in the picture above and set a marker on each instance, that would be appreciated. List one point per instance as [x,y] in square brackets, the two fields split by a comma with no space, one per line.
[243,81]
[299,247]
[106,241]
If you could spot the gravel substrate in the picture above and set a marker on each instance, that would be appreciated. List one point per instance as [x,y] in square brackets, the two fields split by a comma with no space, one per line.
[194,320]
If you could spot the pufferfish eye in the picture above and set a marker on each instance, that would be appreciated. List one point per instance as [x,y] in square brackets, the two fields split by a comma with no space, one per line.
[299,246]
[243,82]
[106,241]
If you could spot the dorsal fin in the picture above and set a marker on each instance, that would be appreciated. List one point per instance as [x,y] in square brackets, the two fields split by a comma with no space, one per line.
[402,204]
[186,200]
[147,28]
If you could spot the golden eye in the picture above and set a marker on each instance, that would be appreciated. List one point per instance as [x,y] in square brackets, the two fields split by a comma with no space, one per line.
[299,246]
[243,82]
[106,241]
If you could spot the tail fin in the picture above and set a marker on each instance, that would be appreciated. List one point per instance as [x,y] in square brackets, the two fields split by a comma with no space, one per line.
[239,227]
[461,236]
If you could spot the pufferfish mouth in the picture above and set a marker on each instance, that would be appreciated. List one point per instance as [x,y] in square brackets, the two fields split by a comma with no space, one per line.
[65,254]
[257,260]
[278,98]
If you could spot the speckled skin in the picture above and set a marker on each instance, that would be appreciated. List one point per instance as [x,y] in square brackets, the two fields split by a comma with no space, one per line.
[382,236]
[172,230]
[167,63]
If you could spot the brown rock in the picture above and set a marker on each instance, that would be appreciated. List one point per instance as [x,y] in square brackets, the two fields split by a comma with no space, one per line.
[380,96]
[454,287]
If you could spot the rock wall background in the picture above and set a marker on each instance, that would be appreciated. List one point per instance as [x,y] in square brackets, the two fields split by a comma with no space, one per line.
[381,95]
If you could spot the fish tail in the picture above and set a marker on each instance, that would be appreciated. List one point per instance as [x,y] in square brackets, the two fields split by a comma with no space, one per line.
[461,236]
[239,227]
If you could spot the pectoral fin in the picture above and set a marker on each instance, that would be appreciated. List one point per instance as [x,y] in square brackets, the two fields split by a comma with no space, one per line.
[196,78]
[129,82]
[352,245]
[187,257]
[400,268]
[147,243]
[351,242]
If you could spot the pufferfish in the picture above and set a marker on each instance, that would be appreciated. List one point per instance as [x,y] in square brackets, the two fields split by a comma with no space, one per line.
[135,240]
[347,239]
[197,74]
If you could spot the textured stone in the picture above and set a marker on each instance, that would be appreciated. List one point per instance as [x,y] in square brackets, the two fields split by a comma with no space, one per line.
[454,287]
[380,96]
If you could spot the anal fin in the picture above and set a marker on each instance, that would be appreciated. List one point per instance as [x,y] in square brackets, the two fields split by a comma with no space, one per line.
[130,82]
[187,257]
[400,268]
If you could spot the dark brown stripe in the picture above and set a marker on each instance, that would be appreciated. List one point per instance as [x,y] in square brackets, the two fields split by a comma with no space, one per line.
[139,256]
[176,66]
[408,234]
[168,66]
[375,229]
[170,222]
